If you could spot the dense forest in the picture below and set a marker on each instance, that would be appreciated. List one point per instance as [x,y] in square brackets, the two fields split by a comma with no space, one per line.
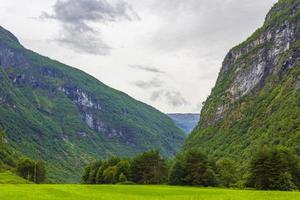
[275,168]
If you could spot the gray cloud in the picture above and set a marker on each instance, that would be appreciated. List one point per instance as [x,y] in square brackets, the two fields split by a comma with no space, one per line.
[76,17]
[173,98]
[147,68]
[156,95]
[153,83]
[194,24]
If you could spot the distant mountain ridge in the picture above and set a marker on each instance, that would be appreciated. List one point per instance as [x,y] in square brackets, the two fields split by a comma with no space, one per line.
[185,121]
[66,117]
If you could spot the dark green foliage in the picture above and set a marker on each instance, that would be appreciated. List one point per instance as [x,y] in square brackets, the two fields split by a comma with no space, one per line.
[30,170]
[47,120]
[274,169]
[122,178]
[193,168]
[8,157]
[2,138]
[148,168]
[227,173]
[111,171]
[177,173]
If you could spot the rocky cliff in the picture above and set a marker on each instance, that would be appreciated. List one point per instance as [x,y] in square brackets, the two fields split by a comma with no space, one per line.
[62,115]
[256,99]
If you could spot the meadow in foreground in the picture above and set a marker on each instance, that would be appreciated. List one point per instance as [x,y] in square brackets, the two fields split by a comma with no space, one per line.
[134,192]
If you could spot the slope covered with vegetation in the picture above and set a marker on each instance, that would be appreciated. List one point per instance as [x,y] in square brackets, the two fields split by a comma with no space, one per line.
[10,178]
[256,99]
[65,117]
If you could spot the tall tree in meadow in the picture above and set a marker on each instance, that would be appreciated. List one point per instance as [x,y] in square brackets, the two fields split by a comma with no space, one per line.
[192,168]
[275,168]
[148,168]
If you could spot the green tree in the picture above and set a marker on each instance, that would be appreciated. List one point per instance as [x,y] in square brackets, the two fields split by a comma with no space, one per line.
[177,173]
[110,175]
[94,167]
[226,172]
[39,175]
[192,168]
[122,178]
[148,168]
[25,168]
[274,169]
[199,169]
[2,137]
[86,174]
[31,170]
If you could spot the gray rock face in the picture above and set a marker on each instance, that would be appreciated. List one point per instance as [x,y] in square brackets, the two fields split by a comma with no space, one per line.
[263,63]
[9,57]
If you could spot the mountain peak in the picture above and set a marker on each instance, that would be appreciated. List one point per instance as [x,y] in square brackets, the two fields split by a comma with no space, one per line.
[8,38]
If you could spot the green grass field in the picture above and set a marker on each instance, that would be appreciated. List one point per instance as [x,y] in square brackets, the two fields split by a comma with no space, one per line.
[133,192]
[8,177]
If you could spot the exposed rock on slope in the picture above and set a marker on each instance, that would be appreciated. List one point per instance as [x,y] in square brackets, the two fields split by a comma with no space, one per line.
[66,117]
[256,99]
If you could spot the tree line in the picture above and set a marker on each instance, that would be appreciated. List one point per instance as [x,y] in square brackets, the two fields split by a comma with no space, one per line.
[31,170]
[276,168]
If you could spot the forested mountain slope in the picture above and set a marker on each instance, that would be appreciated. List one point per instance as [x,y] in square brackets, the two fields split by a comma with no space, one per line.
[256,99]
[64,116]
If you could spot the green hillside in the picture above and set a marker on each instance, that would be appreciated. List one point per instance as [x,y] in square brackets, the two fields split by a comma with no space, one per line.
[10,178]
[256,99]
[64,116]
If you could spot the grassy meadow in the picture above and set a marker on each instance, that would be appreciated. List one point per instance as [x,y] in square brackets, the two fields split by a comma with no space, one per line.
[133,192]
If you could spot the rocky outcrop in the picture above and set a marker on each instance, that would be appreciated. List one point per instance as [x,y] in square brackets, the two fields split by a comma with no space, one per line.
[268,46]
[256,97]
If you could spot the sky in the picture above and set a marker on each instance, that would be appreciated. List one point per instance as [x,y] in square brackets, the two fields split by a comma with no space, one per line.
[166,53]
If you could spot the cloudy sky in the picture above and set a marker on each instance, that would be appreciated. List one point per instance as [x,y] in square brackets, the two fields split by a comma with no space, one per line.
[166,53]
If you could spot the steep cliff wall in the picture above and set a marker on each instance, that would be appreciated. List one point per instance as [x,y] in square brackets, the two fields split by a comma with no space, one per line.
[256,99]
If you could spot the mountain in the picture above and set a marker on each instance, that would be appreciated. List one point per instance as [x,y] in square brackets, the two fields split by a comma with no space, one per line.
[256,99]
[59,114]
[185,121]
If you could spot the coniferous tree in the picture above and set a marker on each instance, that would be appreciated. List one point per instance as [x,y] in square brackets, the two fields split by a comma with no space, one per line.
[192,168]
[274,169]
[148,168]
[177,173]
